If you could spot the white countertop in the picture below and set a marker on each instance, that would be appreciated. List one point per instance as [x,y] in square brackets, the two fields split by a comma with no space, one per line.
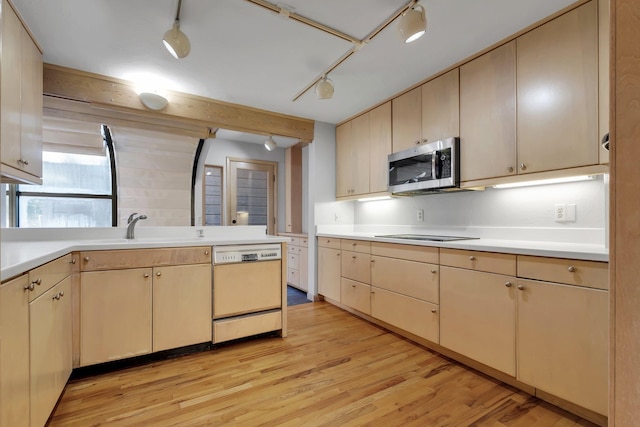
[19,256]
[583,251]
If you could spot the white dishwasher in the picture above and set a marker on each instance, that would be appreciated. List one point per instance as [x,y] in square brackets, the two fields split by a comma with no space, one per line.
[249,297]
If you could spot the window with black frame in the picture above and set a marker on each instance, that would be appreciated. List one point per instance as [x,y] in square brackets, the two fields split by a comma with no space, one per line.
[79,188]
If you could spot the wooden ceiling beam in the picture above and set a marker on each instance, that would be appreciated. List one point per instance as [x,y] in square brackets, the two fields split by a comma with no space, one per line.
[112,94]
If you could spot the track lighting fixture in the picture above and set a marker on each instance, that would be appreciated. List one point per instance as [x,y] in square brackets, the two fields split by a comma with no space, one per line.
[324,88]
[177,42]
[270,144]
[413,24]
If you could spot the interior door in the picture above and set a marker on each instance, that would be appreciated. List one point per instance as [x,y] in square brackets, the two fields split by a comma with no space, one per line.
[252,193]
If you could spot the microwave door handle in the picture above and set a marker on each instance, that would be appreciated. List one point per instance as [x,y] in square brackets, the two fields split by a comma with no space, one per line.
[434,155]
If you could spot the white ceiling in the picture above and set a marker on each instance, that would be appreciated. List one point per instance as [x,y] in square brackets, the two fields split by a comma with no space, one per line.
[245,54]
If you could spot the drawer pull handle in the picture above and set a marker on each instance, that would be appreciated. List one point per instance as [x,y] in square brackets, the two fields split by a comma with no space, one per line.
[37,282]
[86,259]
[434,271]
[521,287]
[472,258]
[73,260]
[353,286]
[353,244]
[145,275]
[373,260]
[433,310]
[523,166]
[206,252]
[510,169]
[58,295]
[354,257]
[23,162]
[30,287]
[508,284]
[158,274]
[571,269]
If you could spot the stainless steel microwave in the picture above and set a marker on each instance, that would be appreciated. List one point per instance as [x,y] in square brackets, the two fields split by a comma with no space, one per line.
[427,168]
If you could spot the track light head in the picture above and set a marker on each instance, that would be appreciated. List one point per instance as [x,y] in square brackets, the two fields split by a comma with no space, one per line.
[270,144]
[324,88]
[413,24]
[176,42]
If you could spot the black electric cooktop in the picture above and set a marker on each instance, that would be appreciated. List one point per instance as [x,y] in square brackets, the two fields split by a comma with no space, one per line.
[431,237]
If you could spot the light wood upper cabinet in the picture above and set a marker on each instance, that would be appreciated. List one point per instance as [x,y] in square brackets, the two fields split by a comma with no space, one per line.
[329,264]
[406,119]
[557,93]
[14,352]
[49,349]
[563,341]
[478,312]
[362,147]
[379,147]
[488,115]
[181,306]
[20,100]
[441,107]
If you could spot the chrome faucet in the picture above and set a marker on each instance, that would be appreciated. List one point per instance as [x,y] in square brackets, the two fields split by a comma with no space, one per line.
[131,224]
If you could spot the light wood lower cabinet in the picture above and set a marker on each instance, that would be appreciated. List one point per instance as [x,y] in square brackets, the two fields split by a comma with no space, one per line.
[115,314]
[413,315]
[414,279]
[356,266]
[356,295]
[329,265]
[49,349]
[181,306]
[14,352]
[477,316]
[563,341]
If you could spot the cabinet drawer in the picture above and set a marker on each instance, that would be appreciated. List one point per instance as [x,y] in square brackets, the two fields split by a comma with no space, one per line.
[226,330]
[481,261]
[293,249]
[356,295]
[303,241]
[137,258]
[329,242]
[412,315]
[48,275]
[591,274]
[293,260]
[408,252]
[356,246]
[414,279]
[356,266]
[293,276]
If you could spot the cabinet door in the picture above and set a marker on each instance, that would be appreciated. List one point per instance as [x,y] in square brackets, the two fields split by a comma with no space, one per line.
[406,120]
[31,106]
[360,154]
[563,341]
[115,314]
[14,352]
[557,93]
[488,115]
[356,266]
[477,316]
[181,306]
[329,265]
[415,279]
[344,163]
[412,315]
[10,129]
[50,349]
[356,295]
[379,147]
[441,107]
[303,276]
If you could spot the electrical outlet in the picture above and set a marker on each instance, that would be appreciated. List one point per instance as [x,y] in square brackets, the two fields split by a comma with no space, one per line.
[560,212]
[420,215]
[571,212]
[338,217]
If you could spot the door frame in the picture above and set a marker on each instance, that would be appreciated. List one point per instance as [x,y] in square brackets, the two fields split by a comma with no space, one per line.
[271,168]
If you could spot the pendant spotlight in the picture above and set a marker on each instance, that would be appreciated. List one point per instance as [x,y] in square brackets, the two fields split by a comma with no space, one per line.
[413,24]
[177,42]
[270,144]
[324,88]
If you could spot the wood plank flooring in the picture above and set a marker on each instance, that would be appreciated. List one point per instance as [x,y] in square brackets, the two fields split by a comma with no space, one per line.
[333,369]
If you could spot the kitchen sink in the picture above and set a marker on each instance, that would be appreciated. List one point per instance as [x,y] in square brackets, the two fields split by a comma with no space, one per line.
[430,237]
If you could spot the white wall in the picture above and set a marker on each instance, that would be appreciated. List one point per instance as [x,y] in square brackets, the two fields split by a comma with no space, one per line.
[215,153]
[499,213]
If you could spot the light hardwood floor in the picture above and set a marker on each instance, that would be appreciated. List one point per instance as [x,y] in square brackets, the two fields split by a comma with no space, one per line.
[333,369]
